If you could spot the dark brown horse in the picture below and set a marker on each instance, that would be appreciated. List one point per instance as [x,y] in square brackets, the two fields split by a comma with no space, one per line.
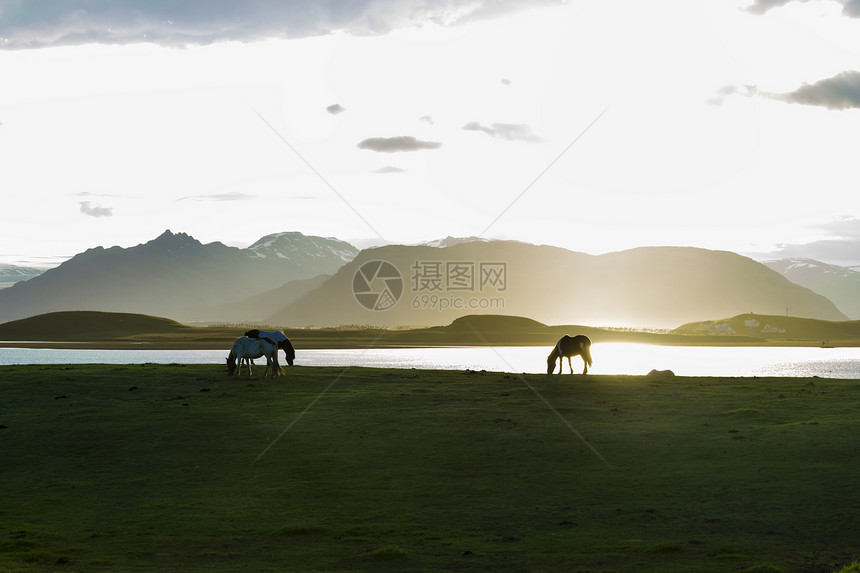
[579,345]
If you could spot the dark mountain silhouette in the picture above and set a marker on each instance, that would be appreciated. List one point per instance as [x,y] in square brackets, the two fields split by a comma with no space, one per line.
[658,287]
[840,284]
[174,275]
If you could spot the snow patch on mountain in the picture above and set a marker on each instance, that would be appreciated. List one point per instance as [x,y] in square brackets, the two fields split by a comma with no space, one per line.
[289,245]
[450,241]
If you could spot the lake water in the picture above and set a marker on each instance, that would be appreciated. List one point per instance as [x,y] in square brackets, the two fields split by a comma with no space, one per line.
[635,359]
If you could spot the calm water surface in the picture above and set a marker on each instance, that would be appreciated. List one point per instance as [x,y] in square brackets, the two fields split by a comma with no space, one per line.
[635,359]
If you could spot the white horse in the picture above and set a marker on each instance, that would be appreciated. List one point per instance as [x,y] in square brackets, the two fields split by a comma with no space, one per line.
[278,338]
[579,345]
[247,348]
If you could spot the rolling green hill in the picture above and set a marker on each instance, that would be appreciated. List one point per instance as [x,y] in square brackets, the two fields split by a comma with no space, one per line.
[124,330]
[779,328]
[87,325]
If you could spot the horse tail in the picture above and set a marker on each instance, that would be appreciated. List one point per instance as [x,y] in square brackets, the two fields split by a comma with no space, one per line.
[231,362]
[277,367]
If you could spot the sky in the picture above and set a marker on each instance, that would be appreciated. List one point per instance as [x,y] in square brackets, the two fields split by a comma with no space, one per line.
[594,126]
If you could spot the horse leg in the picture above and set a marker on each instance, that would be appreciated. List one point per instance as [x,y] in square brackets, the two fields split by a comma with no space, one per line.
[569,365]
[584,366]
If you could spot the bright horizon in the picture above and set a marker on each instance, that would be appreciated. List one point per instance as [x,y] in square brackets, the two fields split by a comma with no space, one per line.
[593,127]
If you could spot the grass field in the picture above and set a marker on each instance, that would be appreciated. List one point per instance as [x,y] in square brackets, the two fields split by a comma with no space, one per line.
[178,467]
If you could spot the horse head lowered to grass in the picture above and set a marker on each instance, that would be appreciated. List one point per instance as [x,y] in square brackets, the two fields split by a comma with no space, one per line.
[249,348]
[278,338]
[567,347]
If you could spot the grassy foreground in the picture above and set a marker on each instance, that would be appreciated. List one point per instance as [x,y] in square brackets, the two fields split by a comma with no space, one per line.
[178,467]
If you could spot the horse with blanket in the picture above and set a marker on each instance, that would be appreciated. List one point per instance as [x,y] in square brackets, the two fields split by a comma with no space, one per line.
[279,338]
[249,348]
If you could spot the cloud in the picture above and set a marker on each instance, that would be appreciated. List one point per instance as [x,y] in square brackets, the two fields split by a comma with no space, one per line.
[506,131]
[389,169]
[234,196]
[73,22]
[91,211]
[397,144]
[850,8]
[88,194]
[335,109]
[721,95]
[842,91]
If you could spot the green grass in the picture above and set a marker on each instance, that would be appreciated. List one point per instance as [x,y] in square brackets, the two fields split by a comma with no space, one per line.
[146,468]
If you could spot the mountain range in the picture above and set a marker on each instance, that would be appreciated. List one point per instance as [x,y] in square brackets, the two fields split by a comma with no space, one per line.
[176,276]
[840,284]
[11,274]
[293,280]
[657,287]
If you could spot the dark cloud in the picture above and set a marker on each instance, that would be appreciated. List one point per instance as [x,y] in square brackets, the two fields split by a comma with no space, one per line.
[762,6]
[90,211]
[506,131]
[842,248]
[335,109]
[29,24]
[396,144]
[842,91]
[850,8]
[839,92]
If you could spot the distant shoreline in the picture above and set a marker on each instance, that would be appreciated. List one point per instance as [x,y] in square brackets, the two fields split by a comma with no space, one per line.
[315,344]
[123,331]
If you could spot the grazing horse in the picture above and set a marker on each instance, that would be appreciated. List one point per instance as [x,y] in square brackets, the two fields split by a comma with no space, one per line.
[279,338]
[246,348]
[579,345]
